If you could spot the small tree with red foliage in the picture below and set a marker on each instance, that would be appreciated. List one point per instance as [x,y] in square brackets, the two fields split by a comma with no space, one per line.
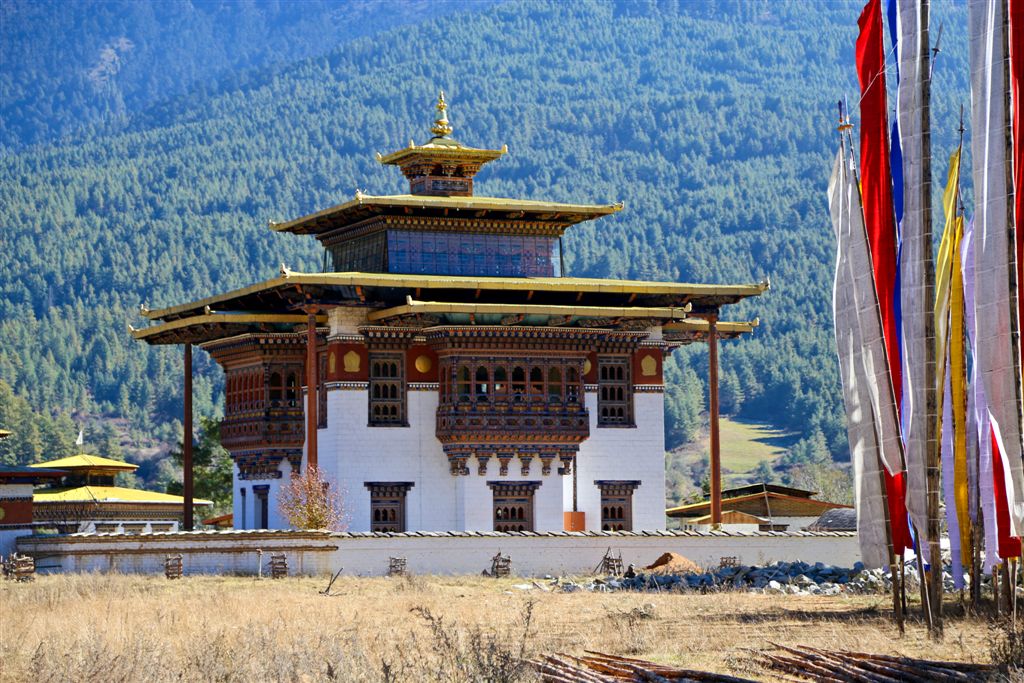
[307,501]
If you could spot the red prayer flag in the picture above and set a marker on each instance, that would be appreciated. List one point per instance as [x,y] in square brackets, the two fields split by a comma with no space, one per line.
[1009,546]
[876,187]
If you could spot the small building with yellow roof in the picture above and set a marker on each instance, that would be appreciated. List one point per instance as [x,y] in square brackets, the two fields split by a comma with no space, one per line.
[87,499]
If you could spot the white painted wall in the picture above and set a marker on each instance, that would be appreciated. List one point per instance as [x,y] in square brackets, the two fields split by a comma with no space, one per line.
[9,537]
[318,553]
[15,490]
[275,518]
[619,453]
[352,453]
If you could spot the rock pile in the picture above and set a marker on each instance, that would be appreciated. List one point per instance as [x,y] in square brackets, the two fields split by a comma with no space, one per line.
[779,578]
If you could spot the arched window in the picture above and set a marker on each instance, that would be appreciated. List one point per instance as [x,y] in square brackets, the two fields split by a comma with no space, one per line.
[518,383]
[482,385]
[572,385]
[275,386]
[292,388]
[536,384]
[500,382]
[462,383]
[554,384]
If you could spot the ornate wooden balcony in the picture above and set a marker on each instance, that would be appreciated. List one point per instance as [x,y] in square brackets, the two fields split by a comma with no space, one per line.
[513,422]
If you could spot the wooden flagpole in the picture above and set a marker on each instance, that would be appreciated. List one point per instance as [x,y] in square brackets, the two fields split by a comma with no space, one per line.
[844,128]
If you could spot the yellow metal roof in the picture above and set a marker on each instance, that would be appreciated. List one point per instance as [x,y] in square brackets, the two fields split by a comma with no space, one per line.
[440,148]
[472,203]
[83,460]
[4,433]
[396,280]
[412,306]
[701,325]
[109,494]
[226,319]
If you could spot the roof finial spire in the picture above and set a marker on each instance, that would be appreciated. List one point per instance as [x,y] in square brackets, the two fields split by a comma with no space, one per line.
[441,129]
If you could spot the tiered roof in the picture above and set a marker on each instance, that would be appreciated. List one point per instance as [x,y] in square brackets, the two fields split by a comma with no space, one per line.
[440,174]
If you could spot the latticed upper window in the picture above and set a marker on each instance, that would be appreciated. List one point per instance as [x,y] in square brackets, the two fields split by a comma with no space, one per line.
[614,392]
[617,504]
[387,389]
[387,505]
[513,505]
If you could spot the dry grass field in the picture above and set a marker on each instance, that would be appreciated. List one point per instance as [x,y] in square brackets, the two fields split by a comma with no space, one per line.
[140,629]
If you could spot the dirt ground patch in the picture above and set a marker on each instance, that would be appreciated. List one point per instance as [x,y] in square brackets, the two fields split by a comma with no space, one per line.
[131,628]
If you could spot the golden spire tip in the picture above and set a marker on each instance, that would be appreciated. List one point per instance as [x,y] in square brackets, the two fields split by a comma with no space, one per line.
[441,127]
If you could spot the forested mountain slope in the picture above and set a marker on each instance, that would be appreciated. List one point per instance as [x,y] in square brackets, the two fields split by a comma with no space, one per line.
[714,123]
[84,66]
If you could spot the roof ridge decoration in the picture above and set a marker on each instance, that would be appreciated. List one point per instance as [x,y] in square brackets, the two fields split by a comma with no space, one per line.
[443,167]
[442,128]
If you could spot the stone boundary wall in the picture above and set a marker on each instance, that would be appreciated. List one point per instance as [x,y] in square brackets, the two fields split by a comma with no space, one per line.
[366,554]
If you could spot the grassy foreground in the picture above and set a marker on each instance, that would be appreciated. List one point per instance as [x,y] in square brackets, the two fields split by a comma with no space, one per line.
[134,628]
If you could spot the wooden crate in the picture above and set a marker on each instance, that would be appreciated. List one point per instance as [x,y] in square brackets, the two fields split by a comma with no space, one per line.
[18,567]
[396,566]
[278,566]
[173,567]
[501,565]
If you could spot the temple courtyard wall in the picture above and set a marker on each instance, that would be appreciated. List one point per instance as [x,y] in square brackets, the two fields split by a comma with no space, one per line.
[452,553]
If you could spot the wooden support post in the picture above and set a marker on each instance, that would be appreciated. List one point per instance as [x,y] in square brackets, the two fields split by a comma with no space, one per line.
[716,455]
[312,392]
[933,461]
[186,443]
[995,589]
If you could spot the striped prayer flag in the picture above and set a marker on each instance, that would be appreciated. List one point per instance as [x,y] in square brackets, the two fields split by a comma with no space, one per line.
[876,180]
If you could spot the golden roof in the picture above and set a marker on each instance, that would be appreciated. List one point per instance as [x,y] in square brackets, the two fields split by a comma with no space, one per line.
[729,293]
[110,494]
[85,461]
[412,306]
[4,433]
[365,206]
[441,145]
[702,507]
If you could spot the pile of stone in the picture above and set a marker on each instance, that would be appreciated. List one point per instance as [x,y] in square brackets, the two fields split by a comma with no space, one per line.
[779,578]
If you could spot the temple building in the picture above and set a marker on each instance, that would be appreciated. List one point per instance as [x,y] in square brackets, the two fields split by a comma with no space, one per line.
[758,507]
[444,371]
[86,498]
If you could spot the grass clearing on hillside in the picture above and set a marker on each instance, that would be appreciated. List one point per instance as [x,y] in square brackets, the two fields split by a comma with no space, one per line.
[745,444]
[141,629]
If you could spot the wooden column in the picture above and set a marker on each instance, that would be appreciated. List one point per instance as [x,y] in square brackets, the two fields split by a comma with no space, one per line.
[312,394]
[716,456]
[186,441]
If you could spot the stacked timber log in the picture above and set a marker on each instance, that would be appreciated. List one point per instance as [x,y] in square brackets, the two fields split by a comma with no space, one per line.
[173,567]
[396,566]
[18,567]
[501,565]
[820,665]
[278,566]
[597,667]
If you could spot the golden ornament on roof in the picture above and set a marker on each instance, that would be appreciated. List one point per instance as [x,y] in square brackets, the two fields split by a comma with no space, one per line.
[441,129]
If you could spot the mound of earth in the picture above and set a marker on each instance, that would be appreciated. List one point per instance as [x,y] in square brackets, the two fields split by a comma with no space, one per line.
[673,563]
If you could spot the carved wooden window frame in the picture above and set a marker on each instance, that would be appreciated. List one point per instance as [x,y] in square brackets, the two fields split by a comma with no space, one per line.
[386,390]
[617,504]
[614,391]
[512,506]
[486,381]
[387,505]
[261,506]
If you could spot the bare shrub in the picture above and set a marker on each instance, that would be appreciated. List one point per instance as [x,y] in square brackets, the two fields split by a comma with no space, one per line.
[634,628]
[1006,645]
[307,501]
[475,654]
